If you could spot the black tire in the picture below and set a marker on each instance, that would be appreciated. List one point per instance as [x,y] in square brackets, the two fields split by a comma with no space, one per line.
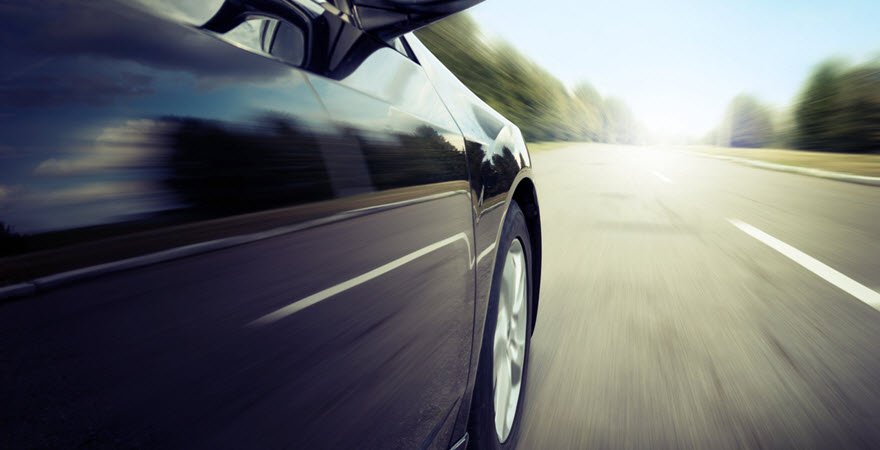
[481,426]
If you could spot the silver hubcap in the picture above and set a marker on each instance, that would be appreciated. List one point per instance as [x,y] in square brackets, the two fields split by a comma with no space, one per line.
[509,348]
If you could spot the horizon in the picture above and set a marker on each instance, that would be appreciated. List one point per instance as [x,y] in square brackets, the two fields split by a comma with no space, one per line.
[754,49]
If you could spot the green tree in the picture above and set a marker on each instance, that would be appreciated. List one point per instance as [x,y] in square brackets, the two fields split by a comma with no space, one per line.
[588,106]
[747,123]
[839,109]
[817,109]
[857,125]
[523,91]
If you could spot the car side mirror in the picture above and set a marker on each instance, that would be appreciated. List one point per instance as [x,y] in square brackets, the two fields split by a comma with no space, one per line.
[388,19]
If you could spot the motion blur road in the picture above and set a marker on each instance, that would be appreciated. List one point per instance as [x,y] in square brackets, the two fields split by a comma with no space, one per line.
[662,324]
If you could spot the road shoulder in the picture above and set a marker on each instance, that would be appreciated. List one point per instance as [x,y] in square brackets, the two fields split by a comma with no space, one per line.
[809,171]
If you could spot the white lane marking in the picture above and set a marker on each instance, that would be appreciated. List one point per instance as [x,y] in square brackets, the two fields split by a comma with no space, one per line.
[317,297]
[485,252]
[662,177]
[830,275]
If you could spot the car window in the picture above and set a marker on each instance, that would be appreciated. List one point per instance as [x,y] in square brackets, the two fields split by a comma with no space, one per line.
[288,44]
[409,51]
[397,44]
[267,33]
[401,46]
[270,36]
[247,34]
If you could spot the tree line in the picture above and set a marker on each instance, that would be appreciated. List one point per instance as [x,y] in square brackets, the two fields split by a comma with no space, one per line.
[837,110]
[524,92]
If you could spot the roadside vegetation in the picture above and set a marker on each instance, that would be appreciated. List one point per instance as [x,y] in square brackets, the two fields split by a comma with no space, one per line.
[833,124]
[524,92]
[837,110]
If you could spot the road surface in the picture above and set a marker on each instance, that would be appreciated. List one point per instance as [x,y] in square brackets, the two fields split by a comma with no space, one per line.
[682,305]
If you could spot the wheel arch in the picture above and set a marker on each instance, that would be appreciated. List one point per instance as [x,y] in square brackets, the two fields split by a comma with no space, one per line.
[526,196]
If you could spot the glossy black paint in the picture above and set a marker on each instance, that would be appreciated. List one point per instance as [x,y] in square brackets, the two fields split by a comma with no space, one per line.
[388,19]
[500,172]
[128,129]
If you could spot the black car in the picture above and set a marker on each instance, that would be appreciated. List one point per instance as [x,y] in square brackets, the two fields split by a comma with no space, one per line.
[256,224]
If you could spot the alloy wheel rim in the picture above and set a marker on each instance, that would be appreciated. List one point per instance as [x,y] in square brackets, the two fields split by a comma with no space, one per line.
[509,343]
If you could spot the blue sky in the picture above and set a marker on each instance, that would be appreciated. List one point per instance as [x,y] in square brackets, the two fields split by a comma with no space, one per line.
[678,63]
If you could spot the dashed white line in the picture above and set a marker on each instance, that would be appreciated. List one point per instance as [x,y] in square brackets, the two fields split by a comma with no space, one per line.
[662,177]
[845,283]
[317,297]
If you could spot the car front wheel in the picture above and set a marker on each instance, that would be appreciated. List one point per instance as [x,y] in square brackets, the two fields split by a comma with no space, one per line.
[500,385]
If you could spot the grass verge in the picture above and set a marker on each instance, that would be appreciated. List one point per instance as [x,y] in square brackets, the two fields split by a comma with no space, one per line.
[855,164]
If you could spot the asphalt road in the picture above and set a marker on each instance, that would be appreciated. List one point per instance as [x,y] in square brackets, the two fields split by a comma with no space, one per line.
[662,324]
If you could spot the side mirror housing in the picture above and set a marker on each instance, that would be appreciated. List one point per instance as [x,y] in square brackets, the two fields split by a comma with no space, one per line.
[388,19]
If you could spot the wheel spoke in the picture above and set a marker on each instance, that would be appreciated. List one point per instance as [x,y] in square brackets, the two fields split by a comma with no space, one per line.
[515,375]
[519,290]
[509,344]
[502,391]
[515,349]
[509,286]
[500,352]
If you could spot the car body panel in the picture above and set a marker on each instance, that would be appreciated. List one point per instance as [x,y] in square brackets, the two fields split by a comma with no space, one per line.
[171,199]
[498,162]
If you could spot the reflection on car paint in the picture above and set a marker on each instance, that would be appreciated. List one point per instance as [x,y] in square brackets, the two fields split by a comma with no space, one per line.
[132,129]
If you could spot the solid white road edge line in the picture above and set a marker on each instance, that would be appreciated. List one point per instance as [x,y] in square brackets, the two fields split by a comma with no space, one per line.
[830,275]
[320,296]
[662,177]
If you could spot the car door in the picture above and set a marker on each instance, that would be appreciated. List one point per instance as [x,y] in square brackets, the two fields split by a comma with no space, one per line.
[222,233]
[395,347]
[397,137]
